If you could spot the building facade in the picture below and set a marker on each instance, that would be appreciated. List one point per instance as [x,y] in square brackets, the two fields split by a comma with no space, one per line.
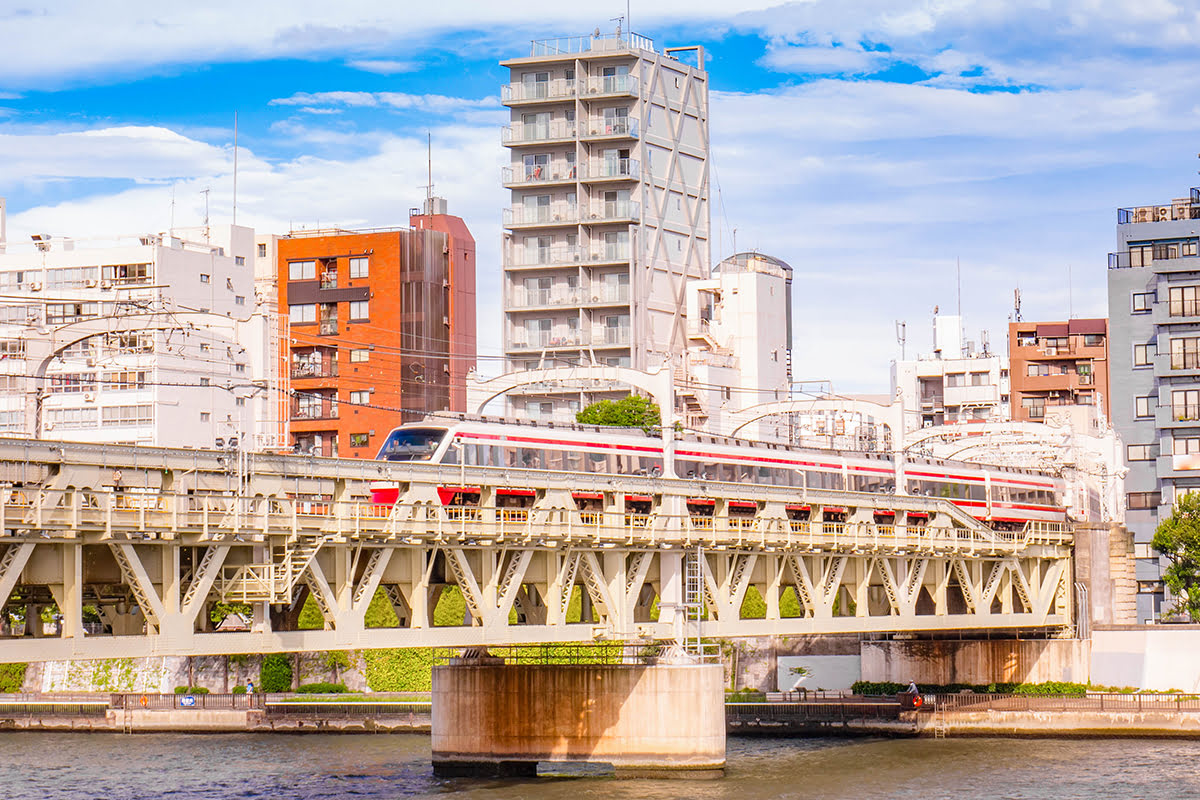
[145,340]
[370,319]
[1154,324]
[609,216]
[1057,364]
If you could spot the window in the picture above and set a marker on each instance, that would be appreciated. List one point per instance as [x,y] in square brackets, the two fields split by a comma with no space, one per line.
[358,267]
[62,313]
[1036,370]
[71,278]
[239,261]
[1026,339]
[125,380]
[125,273]
[359,356]
[239,367]
[1185,353]
[1185,446]
[262,250]
[240,402]
[302,313]
[1141,452]
[205,416]
[1142,500]
[302,271]
[358,309]
[360,398]
[1143,406]
[239,300]
[981,379]
[205,347]
[359,440]
[1143,302]
[205,382]
[954,379]
[1093,339]
[205,277]
[1035,407]
[1142,355]
[73,383]
[1185,404]
[128,416]
[72,418]
[1182,301]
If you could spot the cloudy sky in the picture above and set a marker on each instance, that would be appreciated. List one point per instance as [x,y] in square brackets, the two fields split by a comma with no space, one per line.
[869,143]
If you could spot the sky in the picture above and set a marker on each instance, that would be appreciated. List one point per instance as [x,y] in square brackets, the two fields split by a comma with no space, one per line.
[877,146]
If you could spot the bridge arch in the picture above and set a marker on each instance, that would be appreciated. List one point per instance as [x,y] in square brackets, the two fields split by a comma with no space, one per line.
[887,415]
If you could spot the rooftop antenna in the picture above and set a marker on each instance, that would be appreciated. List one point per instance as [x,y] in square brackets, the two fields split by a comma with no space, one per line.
[205,192]
[235,166]
[1017,304]
[901,336]
[618,20]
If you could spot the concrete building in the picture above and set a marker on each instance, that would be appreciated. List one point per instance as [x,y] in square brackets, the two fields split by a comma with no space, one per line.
[143,339]
[1057,364]
[955,383]
[1154,325]
[610,207]
[375,325]
[739,344]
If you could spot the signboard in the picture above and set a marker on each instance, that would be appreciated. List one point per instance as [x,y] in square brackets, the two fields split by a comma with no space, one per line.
[188,701]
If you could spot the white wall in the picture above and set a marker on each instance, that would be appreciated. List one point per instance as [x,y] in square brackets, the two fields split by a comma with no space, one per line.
[1148,657]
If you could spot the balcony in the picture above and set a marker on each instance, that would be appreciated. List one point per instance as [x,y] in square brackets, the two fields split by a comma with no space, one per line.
[614,211]
[611,127]
[1187,360]
[537,92]
[1184,208]
[558,130]
[315,368]
[612,86]
[329,326]
[1168,263]
[546,340]
[549,257]
[553,214]
[611,336]
[327,409]
[614,43]
[609,295]
[541,175]
[329,280]
[521,299]
[601,169]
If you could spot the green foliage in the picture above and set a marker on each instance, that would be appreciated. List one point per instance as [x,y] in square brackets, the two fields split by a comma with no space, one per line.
[789,604]
[12,677]
[745,696]
[380,613]
[181,690]
[632,411]
[239,689]
[192,690]
[399,670]
[753,605]
[275,675]
[220,611]
[451,608]
[310,616]
[1178,538]
[335,659]
[322,688]
[91,614]
[1047,689]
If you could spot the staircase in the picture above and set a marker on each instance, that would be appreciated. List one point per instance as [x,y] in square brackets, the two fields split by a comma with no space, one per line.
[273,582]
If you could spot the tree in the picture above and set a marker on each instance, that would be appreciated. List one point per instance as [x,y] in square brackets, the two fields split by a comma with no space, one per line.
[632,411]
[1178,538]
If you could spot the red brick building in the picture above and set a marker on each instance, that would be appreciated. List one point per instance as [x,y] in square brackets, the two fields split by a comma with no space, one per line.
[379,326]
[1057,364]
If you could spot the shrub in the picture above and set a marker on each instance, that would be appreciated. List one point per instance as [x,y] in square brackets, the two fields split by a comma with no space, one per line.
[275,675]
[239,690]
[180,690]
[190,690]
[745,696]
[322,688]
[12,677]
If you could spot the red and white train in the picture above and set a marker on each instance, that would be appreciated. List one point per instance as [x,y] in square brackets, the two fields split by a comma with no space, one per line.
[1003,497]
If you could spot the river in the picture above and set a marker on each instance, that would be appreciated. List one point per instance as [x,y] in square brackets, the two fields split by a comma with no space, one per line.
[45,766]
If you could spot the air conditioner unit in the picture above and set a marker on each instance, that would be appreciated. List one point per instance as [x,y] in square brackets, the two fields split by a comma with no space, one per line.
[89,397]
[91,284]
[36,286]
[1164,213]
[91,362]
[49,426]
[1051,351]
[106,284]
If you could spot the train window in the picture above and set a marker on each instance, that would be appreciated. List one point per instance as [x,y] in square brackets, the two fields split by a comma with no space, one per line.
[411,444]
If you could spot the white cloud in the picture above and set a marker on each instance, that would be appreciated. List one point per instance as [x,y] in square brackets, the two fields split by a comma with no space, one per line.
[384,66]
[433,103]
[821,60]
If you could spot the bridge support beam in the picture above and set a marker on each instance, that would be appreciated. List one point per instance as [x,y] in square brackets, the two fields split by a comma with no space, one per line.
[493,719]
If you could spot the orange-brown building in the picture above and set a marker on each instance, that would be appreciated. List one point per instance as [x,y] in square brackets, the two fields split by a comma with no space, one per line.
[380,329]
[1057,364]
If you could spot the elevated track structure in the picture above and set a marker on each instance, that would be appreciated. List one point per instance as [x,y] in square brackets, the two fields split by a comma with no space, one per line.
[152,538]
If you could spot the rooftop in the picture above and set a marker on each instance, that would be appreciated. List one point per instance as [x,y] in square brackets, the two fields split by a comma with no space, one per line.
[1178,208]
[596,43]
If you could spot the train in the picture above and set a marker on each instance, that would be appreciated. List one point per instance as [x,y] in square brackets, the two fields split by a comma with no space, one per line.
[1005,498]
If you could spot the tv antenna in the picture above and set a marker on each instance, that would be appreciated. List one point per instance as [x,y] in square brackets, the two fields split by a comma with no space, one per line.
[1017,305]
[205,191]
[901,335]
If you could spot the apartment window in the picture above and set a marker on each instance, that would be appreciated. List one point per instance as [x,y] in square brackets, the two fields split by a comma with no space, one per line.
[262,251]
[1037,370]
[1185,404]
[359,439]
[239,260]
[1035,407]
[205,277]
[1143,406]
[128,416]
[359,356]
[239,367]
[125,273]
[1142,355]
[1186,446]
[1182,301]
[358,310]
[73,383]
[1185,353]
[62,313]
[955,379]
[1093,339]
[1026,339]
[1141,452]
[1142,500]
[981,379]
[302,313]
[205,347]
[124,381]
[361,397]
[302,271]
[205,382]
[1143,302]
[71,418]
[239,300]
[358,267]
[205,416]
[240,402]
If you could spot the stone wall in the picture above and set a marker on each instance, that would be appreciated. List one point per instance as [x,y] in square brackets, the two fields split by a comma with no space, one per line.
[944,662]
[1104,563]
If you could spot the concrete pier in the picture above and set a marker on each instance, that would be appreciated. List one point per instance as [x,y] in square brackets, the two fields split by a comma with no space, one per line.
[491,718]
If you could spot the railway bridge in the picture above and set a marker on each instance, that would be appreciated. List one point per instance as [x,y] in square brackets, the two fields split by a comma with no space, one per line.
[151,538]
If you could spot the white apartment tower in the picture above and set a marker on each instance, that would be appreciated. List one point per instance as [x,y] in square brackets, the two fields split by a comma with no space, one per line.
[610,212]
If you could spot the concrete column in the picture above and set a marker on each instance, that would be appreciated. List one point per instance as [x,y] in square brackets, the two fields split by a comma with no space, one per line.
[490,718]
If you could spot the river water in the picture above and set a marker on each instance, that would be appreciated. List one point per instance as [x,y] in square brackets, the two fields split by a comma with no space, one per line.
[364,767]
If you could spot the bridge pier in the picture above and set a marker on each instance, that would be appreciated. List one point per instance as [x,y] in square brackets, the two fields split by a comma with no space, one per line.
[496,719]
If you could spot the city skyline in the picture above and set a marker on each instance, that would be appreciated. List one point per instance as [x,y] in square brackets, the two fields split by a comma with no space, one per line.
[868,146]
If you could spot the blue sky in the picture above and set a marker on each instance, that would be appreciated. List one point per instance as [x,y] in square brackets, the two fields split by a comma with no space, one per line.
[869,143]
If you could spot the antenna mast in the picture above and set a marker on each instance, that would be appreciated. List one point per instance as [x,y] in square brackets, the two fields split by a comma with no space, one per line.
[901,335]
[205,192]
[429,168]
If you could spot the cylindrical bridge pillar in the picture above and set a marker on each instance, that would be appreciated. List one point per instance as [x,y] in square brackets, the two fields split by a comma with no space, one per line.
[491,718]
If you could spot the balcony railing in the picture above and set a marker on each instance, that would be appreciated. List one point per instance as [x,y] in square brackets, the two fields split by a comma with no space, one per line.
[1147,257]
[1185,360]
[327,410]
[1185,412]
[618,335]
[557,89]
[613,84]
[329,280]
[1184,308]
[522,134]
[612,126]
[557,171]
[523,298]
[612,168]
[539,340]
[609,294]
[604,43]
[542,256]
[310,369]
[329,326]
[1183,208]
[614,210]
[556,213]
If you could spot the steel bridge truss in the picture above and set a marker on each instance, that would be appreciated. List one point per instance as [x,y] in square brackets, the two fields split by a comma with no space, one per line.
[151,539]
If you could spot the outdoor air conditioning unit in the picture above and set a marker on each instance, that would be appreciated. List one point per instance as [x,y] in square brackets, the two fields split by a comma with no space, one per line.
[89,397]
[91,284]
[36,286]
[91,362]
[1164,213]
[49,426]
[105,284]
[1051,351]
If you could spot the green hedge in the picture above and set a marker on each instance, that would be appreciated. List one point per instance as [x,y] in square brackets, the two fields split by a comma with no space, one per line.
[1049,688]
[322,688]
[12,677]
[239,689]
[275,675]
[745,696]
[190,690]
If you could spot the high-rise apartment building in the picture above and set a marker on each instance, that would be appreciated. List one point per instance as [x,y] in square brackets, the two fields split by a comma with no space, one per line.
[1057,364]
[610,212]
[373,324]
[1154,325]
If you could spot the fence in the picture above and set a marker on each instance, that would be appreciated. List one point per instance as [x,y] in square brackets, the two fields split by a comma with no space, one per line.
[203,702]
[1093,701]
